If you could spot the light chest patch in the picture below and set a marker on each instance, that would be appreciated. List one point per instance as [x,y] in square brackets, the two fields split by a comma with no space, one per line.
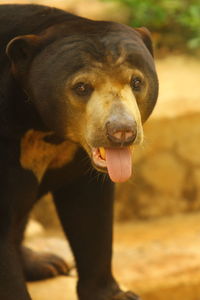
[38,155]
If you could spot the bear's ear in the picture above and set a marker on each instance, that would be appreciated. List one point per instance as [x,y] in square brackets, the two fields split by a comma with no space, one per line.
[146,37]
[21,49]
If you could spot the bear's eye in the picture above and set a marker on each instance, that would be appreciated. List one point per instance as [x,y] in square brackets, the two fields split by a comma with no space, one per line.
[136,84]
[83,89]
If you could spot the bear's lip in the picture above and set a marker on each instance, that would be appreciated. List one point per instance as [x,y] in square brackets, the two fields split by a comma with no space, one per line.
[98,160]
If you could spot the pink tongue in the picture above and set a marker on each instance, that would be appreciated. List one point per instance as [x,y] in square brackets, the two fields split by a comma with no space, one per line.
[119,163]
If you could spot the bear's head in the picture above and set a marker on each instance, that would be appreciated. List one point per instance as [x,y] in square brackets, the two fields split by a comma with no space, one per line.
[93,84]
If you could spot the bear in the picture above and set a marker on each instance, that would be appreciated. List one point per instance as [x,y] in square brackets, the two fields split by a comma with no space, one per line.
[74,94]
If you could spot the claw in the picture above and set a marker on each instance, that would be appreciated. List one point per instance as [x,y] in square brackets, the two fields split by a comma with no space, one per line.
[126,296]
[132,296]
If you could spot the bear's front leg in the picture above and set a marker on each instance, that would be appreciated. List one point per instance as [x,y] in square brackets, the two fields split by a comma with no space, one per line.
[12,283]
[18,191]
[17,196]
[85,209]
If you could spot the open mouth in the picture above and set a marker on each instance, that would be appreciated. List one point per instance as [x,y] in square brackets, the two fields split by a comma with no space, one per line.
[116,161]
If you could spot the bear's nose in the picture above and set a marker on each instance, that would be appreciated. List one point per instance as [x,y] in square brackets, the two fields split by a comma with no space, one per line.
[123,131]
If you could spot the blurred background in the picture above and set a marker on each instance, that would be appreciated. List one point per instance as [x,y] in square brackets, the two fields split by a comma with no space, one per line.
[157,213]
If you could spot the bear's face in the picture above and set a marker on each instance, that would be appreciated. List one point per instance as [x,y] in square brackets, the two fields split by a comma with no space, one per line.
[95,91]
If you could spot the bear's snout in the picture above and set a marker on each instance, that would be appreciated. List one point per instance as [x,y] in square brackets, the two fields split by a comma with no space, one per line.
[121,130]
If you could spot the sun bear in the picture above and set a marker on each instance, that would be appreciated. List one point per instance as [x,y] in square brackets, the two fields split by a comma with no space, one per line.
[74,94]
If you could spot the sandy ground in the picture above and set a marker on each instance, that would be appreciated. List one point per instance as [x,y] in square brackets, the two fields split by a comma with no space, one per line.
[158,259]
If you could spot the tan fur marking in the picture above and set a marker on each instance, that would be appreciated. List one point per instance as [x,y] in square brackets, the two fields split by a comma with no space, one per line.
[38,155]
[102,103]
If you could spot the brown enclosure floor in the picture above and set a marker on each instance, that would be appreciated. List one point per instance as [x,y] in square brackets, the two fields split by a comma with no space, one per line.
[158,259]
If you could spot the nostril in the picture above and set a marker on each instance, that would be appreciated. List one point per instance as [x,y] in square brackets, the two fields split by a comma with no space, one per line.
[122,137]
[118,135]
[121,133]
[129,134]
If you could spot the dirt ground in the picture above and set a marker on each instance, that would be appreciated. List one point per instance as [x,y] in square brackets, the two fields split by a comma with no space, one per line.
[158,259]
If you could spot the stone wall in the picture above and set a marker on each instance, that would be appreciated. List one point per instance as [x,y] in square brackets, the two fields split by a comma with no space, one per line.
[166,170]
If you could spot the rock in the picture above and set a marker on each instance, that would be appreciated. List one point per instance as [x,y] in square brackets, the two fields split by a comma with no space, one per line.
[33,229]
[179,87]
[158,205]
[197,185]
[197,177]
[159,170]
[60,288]
[188,143]
[44,211]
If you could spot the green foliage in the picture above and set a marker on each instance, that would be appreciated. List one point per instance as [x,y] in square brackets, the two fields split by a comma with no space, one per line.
[176,17]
